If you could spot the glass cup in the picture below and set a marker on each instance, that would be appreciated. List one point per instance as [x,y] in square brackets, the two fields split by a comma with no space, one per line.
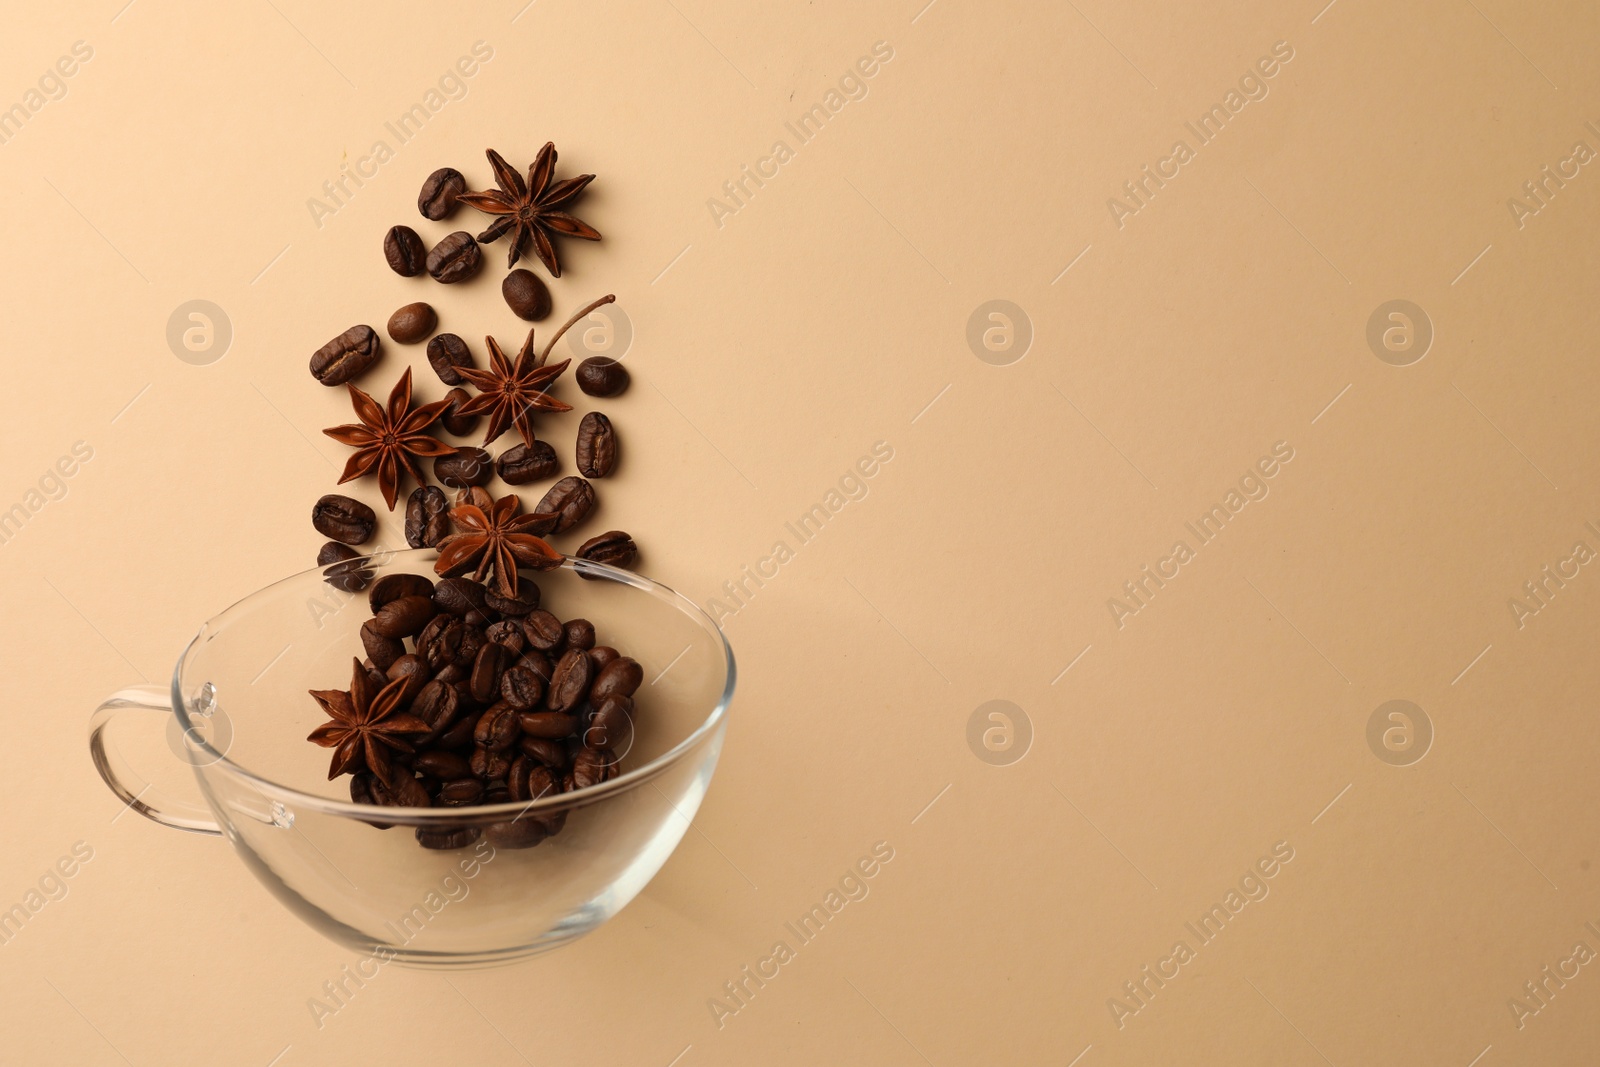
[240,711]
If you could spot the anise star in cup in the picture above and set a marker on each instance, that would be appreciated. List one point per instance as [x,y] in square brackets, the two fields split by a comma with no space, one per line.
[363,726]
[509,393]
[387,438]
[528,209]
[497,539]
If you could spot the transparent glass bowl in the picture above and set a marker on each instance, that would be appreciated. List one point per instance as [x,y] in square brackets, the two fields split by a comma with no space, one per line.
[240,709]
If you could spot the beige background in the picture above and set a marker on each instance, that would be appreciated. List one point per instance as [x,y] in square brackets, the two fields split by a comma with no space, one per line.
[770,353]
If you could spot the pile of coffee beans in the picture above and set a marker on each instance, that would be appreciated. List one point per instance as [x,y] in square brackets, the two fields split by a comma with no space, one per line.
[519,705]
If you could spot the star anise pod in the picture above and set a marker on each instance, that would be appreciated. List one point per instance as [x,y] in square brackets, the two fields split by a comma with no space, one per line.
[528,209]
[386,439]
[497,539]
[363,726]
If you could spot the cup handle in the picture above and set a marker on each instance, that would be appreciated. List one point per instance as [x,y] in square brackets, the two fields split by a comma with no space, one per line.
[118,775]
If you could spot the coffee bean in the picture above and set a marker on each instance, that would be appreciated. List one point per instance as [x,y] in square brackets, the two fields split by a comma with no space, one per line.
[526,463]
[452,420]
[472,642]
[600,655]
[437,704]
[580,634]
[447,354]
[404,617]
[437,200]
[452,673]
[486,670]
[402,791]
[427,519]
[340,572]
[497,728]
[475,496]
[439,643]
[612,721]
[525,602]
[394,586]
[343,519]
[521,688]
[465,467]
[549,725]
[458,738]
[601,376]
[544,631]
[592,766]
[446,766]
[537,662]
[455,259]
[614,547]
[383,650]
[621,677]
[550,753]
[570,682]
[489,763]
[362,792]
[597,446]
[571,499]
[345,357]
[531,780]
[414,671]
[463,791]
[458,595]
[405,251]
[526,295]
[447,838]
[508,633]
[413,323]
[522,832]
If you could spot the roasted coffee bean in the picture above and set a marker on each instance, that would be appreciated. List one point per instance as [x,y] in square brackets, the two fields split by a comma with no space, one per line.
[463,791]
[446,766]
[447,838]
[437,200]
[405,251]
[455,259]
[378,678]
[571,499]
[601,376]
[453,673]
[401,791]
[477,496]
[600,655]
[458,738]
[549,725]
[487,669]
[580,634]
[340,572]
[437,704]
[526,295]
[458,595]
[413,323]
[472,642]
[592,766]
[439,643]
[497,728]
[414,671]
[392,587]
[452,420]
[613,548]
[522,832]
[343,519]
[537,662]
[464,467]
[488,763]
[404,617]
[521,688]
[621,677]
[526,600]
[361,792]
[427,517]
[478,618]
[383,650]
[531,780]
[597,446]
[447,354]
[544,631]
[346,356]
[507,633]
[570,683]
[550,753]
[609,726]
[526,463]
[495,791]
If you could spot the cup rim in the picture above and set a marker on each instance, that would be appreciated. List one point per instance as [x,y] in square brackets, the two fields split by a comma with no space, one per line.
[479,813]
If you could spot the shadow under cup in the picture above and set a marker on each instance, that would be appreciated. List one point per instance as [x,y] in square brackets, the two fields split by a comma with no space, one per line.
[241,690]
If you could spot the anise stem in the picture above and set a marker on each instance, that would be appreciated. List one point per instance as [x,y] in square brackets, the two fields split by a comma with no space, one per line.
[583,313]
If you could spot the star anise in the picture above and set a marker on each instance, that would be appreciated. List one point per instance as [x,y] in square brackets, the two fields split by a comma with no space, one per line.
[363,726]
[529,208]
[386,439]
[497,539]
